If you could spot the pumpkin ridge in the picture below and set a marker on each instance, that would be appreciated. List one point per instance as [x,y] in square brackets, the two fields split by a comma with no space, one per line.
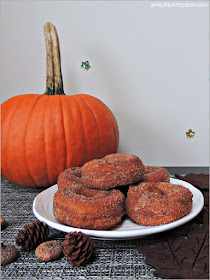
[32,109]
[83,132]
[67,123]
[109,112]
[97,125]
[47,166]
[115,127]
[64,131]
[95,121]
[10,121]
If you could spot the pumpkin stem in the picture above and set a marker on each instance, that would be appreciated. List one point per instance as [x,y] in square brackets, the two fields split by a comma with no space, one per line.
[54,81]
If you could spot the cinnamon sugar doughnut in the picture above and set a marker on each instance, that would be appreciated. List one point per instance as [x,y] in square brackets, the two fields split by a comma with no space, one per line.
[156,174]
[150,203]
[112,170]
[81,207]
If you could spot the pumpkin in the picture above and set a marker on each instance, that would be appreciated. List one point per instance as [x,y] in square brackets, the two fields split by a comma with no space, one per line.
[43,134]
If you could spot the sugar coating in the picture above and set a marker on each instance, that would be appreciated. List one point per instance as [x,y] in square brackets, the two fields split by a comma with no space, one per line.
[112,170]
[156,174]
[70,176]
[76,205]
[152,203]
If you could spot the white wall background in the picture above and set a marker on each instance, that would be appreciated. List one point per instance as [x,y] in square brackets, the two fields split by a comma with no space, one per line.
[149,65]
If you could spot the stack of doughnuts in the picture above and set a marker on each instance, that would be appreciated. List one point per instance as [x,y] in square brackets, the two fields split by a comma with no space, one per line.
[94,196]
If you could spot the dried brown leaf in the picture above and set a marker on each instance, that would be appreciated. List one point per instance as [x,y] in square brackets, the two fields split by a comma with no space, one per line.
[179,258]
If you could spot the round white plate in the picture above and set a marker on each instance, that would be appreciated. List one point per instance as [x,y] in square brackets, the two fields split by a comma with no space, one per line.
[127,229]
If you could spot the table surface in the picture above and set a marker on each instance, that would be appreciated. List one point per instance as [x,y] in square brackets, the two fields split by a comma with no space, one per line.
[113,259]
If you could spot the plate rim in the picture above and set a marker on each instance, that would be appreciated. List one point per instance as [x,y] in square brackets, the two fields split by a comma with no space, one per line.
[120,235]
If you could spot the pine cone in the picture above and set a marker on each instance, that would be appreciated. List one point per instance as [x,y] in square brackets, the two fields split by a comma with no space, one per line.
[78,248]
[32,235]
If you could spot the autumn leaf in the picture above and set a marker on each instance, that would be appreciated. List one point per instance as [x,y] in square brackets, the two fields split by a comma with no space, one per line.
[200,181]
[176,257]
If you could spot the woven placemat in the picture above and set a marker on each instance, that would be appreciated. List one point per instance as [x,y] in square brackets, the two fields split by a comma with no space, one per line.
[113,259]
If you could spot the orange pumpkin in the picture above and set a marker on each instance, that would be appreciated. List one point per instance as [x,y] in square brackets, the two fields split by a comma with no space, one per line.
[41,135]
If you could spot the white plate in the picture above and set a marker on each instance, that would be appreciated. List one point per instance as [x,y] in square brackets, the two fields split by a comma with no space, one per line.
[127,229]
